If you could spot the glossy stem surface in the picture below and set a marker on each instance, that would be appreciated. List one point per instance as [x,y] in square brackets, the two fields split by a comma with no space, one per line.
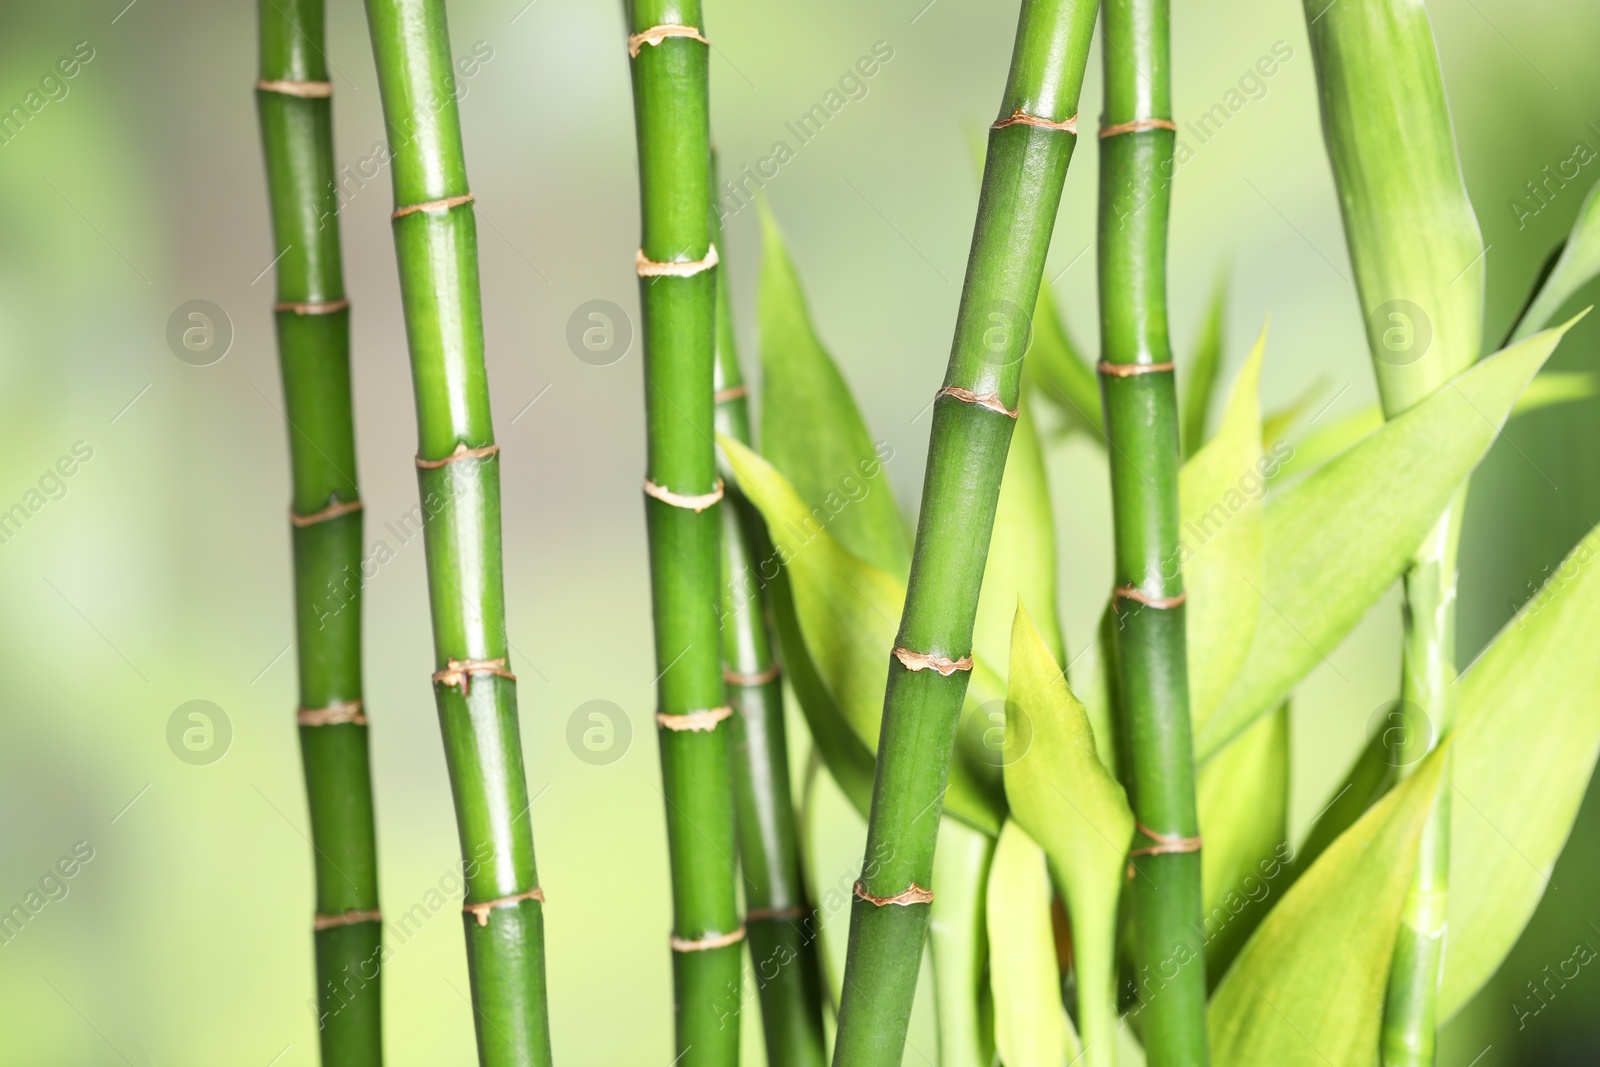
[1025,165]
[458,471]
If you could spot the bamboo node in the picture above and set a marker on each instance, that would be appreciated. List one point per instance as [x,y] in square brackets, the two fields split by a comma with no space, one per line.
[337,509]
[912,894]
[332,715]
[704,720]
[756,915]
[305,90]
[312,307]
[708,942]
[1137,125]
[462,452]
[1128,370]
[346,918]
[459,672]
[697,504]
[983,400]
[434,206]
[481,911]
[733,392]
[1022,118]
[748,681]
[649,268]
[1139,596]
[1165,843]
[925,661]
[656,34]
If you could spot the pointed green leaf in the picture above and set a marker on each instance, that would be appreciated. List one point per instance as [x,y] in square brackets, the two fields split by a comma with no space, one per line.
[1220,494]
[1063,795]
[846,611]
[1369,777]
[1203,367]
[1031,1028]
[1243,795]
[1336,540]
[958,944]
[1058,371]
[1577,266]
[1276,424]
[1308,989]
[811,429]
[1527,734]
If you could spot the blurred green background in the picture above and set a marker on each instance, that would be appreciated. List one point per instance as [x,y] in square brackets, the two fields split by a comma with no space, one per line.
[159,572]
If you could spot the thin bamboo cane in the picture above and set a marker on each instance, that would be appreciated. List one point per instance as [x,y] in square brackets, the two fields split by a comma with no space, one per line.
[1136,150]
[677,294]
[780,917]
[458,473]
[313,321]
[1029,148]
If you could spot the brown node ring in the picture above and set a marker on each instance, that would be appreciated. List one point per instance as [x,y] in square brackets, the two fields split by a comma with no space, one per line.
[481,911]
[346,918]
[704,720]
[983,400]
[1139,596]
[462,452]
[304,90]
[1129,370]
[756,915]
[1022,118]
[696,504]
[332,715]
[656,34]
[1136,126]
[1165,843]
[459,672]
[650,268]
[924,661]
[750,681]
[312,307]
[707,943]
[912,894]
[433,206]
[335,510]
[733,392]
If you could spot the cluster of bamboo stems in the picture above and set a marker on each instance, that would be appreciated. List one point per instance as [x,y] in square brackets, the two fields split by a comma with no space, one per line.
[721,733]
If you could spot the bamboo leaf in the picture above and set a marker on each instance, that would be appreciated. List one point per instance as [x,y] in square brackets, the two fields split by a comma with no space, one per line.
[1308,989]
[1336,540]
[1577,266]
[959,945]
[1031,1028]
[1276,424]
[1525,744]
[1057,370]
[1220,494]
[1203,367]
[1369,777]
[846,611]
[811,429]
[1062,794]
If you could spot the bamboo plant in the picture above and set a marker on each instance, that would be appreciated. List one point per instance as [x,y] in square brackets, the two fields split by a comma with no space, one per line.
[313,323]
[1030,145]
[677,266]
[1142,425]
[458,472]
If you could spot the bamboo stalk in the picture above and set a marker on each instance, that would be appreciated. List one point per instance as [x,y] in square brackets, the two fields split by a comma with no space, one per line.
[973,416]
[1142,422]
[313,323]
[677,294]
[780,917]
[458,473]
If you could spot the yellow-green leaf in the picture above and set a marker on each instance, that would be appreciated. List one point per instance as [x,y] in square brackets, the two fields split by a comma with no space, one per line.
[1056,370]
[1203,367]
[1577,266]
[1031,1028]
[958,945]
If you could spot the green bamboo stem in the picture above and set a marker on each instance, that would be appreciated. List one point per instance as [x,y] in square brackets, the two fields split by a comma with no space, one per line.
[779,915]
[1142,422]
[313,322]
[1029,149]
[677,295]
[435,235]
